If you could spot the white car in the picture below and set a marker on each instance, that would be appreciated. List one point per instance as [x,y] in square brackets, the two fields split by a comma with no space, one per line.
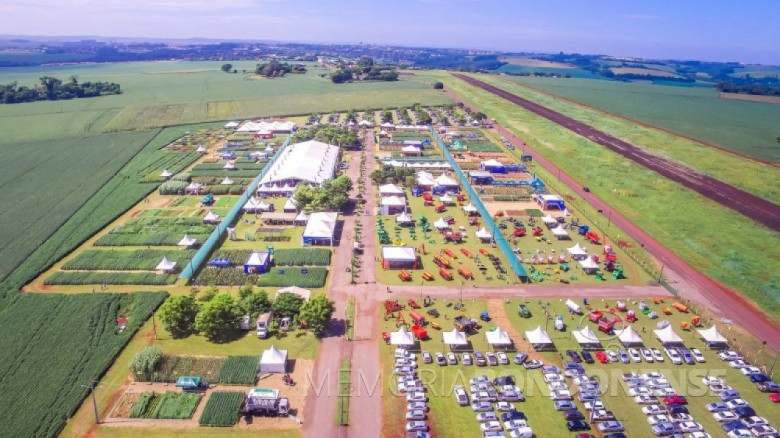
[554,386]
[673,356]
[722,417]
[746,371]
[657,355]
[736,403]
[639,390]
[655,419]
[481,406]
[697,355]
[653,410]
[515,424]
[646,399]
[479,379]
[612,355]
[484,417]
[465,359]
[521,432]
[740,433]
[652,375]
[658,383]
[405,363]
[502,359]
[503,406]
[691,426]
[717,407]
[663,392]
[417,406]
[415,415]
[764,430]
[680,418]
[647,355]
[490,425]
[633,353]
[594,405]
[755,421]
[729,355]
[699,435]
[561,394]
[738,364]
[460,396]
[416,396]
[416,426]
[711,380]
[452,359]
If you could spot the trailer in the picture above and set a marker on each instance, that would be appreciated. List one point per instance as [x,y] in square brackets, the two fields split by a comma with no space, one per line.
[574,307]
[418,318]
[419,332]
[266,402]
[263,324]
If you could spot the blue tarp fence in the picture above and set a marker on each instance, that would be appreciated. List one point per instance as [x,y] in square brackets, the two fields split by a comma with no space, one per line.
[208,245]
[487,219]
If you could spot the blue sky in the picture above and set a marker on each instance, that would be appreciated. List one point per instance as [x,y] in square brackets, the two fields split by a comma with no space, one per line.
[720,30]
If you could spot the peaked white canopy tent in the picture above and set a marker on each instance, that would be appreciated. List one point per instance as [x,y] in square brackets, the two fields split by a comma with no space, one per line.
[454,338]
[628,336]
[668,336]
[539,339]
[273,360]
[712,336]
[402,338]
[498,338]
[586,338]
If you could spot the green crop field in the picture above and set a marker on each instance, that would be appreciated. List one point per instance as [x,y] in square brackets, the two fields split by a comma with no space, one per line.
[234,276]
[70,278]
[167,406]
[712,238]
[222,409]
[60,344]
[112,199]
[697,112]
[239,370]
[125,260]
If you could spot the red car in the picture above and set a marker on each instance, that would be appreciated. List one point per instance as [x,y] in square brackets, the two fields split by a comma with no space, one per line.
[601,356]
[775,397]
[675,400]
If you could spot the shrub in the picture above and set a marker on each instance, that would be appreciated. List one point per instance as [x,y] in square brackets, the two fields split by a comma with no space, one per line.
[146,361]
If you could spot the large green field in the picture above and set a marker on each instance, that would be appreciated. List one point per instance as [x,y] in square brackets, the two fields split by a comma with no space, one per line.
[61,343]
[157,94]
[712,238]
[745,127]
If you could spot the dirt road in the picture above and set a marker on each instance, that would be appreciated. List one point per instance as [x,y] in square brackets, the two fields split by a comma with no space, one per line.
[752,206]
[693,283]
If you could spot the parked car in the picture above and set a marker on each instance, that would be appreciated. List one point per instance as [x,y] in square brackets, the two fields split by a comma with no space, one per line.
[602,415]
[633,353]
[736,403]
[504,380]
[413,426]
[601,356]
[755,421]
[564,405]
[460,396]
[465,359]
[611,426]
[673,355]
[728,395]
[533,364]
[520,358]
[663,429]
[612,355]
[657,355]
[577,425]
[677,409]
[647,355]
[452,359]
[415,415]
[739,363]
[731,425]
[502,359]
[515,424]
[490,425]
[574,356]
[479,359]
[764,430]
[481,406]
[504,406]
[417,406]
[646,399]
[440,360]
[680,417]
[416,396]
[774,397]
[768,387]
[653,410]
[587,357]
[484,417]
[512,415]
[655,419]
[426,357]
[744,411]
[521,432]
[491,359]
[729,356]
[675,400]
[725,416]
[759,378]
[573,414]
[697,355]
[740,433]
[687,357]
[623,356]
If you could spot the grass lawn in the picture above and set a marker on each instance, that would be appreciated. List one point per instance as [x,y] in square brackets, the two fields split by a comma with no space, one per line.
[713,239]
[197,432]
[345,385]
[684,378]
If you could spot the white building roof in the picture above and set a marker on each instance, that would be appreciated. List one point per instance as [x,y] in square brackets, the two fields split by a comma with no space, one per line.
[257,258]
[301,292]
[483,234]
[390,189]
[410,148]
[445,180]
[290,204]
[311,161]
[227,181]
[454,338]
[712,335]
[165,265]
[273,360]
[549,219]
[425,179]
[321,225]
[559,231]
[403,218]
[211,217]
[229,166]
[471,208]
[588,263]
[275,126]
[402,253]
[194,186]
[497,337]
[231,125]
[628,336]
[440,224]
[186,241]
[401,337]
[200,149]
[166,174]
[585,336]
[302,217]
[446,198]
[393,201]
[546,197]
[492,163]
[538,336]
[577,250]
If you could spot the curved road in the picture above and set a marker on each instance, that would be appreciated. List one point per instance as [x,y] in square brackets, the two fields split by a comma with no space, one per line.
[714,293]
[754,207]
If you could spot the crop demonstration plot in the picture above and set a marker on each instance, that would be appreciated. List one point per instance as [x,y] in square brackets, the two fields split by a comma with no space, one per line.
[169,405]
[222,409]
[76,338]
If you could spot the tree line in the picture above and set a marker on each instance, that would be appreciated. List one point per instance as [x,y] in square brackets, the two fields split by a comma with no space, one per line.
[363,70]
[274,69]
[51,88]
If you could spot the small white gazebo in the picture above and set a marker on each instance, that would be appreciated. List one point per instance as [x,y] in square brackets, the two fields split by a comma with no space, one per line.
[588,265]
[165,265]
[200,150]
[628,336]
[301,292]
[549,220]
[186,241]
[227,181]
[539,339]
[484,235]
[229,166]
[390,190]
[273,360]
[498,338]
[577,251]
[667,335]
[402,338]
[454,339]
[586,338]
[404,218]
[560,233]
[712,337]
[470,209]
[211,218]
[166,174]
[441,224]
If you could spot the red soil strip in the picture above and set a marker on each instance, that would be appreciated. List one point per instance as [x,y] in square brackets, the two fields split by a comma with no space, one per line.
[752,206]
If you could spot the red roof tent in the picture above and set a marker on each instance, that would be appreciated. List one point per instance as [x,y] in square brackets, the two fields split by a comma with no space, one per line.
[417,317]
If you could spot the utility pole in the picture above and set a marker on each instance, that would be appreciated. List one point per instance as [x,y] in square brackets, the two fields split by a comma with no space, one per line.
[154,326]
[91,387]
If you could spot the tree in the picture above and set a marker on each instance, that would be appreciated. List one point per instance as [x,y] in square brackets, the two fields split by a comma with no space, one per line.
[227,67]
[438,85]
[208,294]
[178,315]
[316,313]
[245,290]
[145,362]
[287,305]
[254,304]
[218,318]
[340,76]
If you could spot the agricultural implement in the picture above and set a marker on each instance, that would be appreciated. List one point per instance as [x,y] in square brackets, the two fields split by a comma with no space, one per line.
[523,311]
[680,307]
[434,313]
[441,261]
[592,236]
[464,324]
[440,208]
[386,337]
[484,252]
[445,274]
[466,253]
[465,273]
[405,275]
[450,253]
[538,231]
[427,276]
[419,332]
[417,317]
[413,303]
[435,325]
[427,301]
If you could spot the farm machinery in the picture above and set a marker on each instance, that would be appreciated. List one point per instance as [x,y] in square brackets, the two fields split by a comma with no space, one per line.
[266,402]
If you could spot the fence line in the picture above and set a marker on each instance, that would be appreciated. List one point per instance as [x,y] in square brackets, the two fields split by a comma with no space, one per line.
[490,225]
[208,245]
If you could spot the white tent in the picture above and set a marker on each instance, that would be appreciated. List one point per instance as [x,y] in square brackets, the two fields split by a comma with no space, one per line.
[586,336]
[454,338]
[254,204]
[403,218]
[447,199]
[440,224]
[390,190]
[483,235]
[498,337]
[200,150]
[227,181]
[589,265]
[194,186]
[290,204]
[411,150]
[301,292]
[549,219]
[166,174]
[229,166]
[273,360]
[232,125]
[628,336]
[491,163]
[210,217]
[302,217]
[310,161]
[320,227]
[577,250]
[446,181]
[186,241]
[538,338]
[393,201]
[560,232]
[470,209]
[165,265]
[425,179]
[668,336]
[712,336]
[401,338]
